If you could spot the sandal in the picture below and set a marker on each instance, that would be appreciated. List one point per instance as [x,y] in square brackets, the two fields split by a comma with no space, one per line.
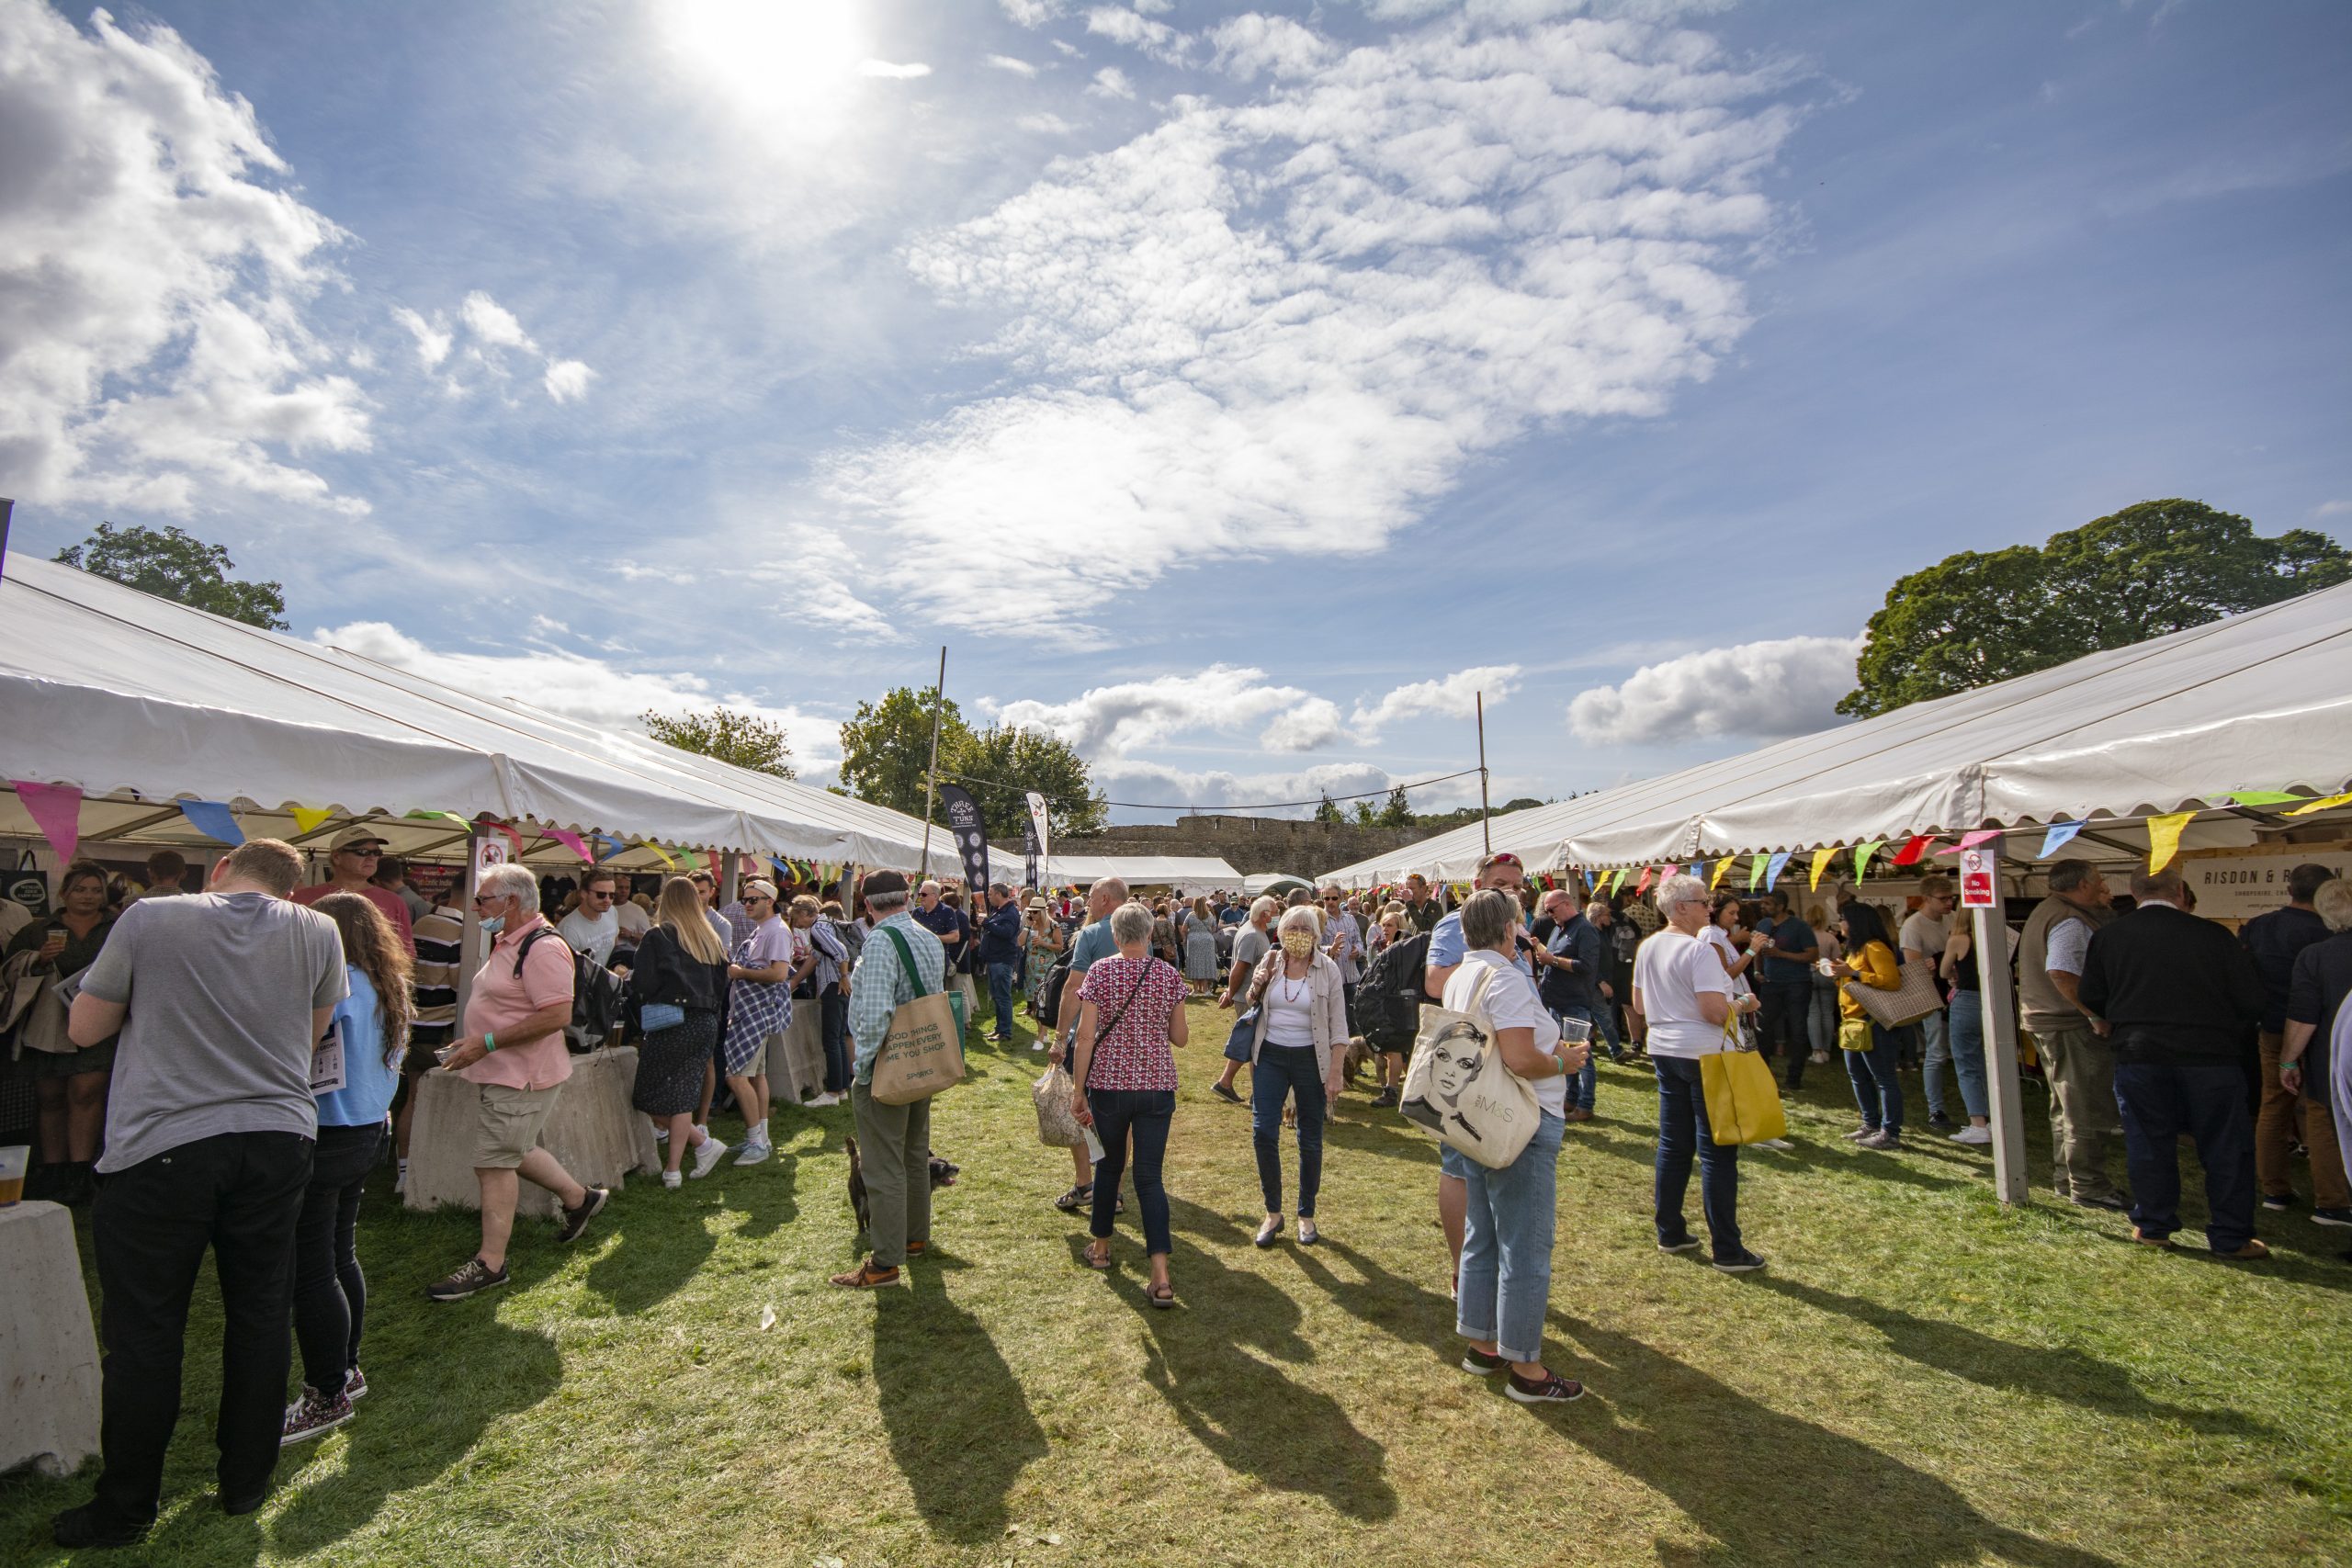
[1098,1260]
[1071,1200]
[1161,1296]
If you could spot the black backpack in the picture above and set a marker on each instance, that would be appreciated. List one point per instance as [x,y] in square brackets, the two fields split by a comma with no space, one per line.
[1388,999]
[596,990]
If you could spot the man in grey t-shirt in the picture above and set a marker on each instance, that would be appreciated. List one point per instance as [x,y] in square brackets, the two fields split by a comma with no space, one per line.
[220,1000]
[1251,944]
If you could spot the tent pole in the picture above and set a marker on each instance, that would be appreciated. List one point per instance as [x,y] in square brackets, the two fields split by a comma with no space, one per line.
[467,943]
[8,510]
[2001,1049]
[1485,835]
[730,875]
[930,775]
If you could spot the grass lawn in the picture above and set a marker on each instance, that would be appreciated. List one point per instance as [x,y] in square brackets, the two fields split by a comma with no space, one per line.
[1918,1378]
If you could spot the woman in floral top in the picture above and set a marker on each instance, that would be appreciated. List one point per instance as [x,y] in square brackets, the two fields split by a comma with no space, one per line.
[1131,1012]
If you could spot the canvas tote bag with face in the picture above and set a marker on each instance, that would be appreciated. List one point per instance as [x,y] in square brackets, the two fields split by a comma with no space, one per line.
[1458,1088]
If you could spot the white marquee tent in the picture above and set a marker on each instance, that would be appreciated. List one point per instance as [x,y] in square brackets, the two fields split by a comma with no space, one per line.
[2260,701]
[1185,873]
[138,701]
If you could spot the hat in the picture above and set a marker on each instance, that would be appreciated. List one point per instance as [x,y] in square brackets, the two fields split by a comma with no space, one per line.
[357,833]
[1036,903]
[883,885]
[759,886]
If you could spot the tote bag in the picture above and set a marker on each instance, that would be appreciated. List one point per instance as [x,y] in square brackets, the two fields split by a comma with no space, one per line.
[1907,1003]
[1743,1102]
[1458,1088]
[1058,1126]
[923,1052]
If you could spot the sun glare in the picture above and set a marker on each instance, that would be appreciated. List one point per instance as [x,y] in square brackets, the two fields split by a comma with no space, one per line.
[791,64]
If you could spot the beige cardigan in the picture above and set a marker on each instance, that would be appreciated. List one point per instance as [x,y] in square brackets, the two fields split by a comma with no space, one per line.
[1327,1013]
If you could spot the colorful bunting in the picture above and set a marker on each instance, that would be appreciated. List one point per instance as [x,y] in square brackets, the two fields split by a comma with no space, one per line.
[1862,854]
[1619,880]
[569,840]
[2164,837]
[664,854]
[2060,835]
[1643,885]
[1722,868]
[1778,864]
[2327,804]
[1821,859]
[513,836]
[310,819]
[1913,848]
[56,810]
[438,817]
[1970,840]
[609,845]
[718,868]
[2259,797]
[213,820]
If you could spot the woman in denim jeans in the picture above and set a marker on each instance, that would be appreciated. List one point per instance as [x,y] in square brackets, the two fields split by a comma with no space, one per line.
[1130,1016]
[1965,1032]
[1298,1054]
[1878,1091]
[1506,1242]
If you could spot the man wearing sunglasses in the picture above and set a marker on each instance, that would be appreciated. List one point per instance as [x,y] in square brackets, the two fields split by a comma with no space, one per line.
[352,859]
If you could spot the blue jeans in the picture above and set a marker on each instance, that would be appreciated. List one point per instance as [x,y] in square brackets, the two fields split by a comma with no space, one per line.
[1507,1246]
[1580,1088]
[1682,1131]
[1823,1022]
[1877,1090]
[2160,1103]
[1000,995]
[1282,1071]
[1965,1031]
[1146,1114]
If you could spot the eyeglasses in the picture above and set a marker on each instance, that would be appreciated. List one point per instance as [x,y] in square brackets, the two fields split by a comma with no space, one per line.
[482,898]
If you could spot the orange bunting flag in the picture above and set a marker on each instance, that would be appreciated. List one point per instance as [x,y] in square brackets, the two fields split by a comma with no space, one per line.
[1643,885]
[2164,837]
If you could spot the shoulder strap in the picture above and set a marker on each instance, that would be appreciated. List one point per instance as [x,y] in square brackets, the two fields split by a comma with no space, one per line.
[523,948]
[906,957]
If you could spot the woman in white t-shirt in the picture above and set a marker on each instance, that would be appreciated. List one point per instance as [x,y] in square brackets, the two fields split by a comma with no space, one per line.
[1686,994]
[1295,1057]
[1507,1244]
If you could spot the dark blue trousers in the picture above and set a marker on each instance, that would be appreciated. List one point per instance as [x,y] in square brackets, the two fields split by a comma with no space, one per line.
[2208,1102]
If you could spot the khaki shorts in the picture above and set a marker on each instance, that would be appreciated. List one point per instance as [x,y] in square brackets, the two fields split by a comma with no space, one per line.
[509,1123]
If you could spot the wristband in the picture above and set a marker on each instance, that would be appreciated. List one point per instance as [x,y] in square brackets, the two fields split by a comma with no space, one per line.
[489,1040]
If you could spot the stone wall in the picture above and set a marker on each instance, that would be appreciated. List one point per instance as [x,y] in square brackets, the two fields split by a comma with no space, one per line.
[1251,844]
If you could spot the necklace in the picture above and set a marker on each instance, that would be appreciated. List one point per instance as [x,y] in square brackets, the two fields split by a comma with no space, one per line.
[1293,994]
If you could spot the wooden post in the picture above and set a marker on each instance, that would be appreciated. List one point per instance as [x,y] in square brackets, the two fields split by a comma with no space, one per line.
[1993,992]
[1485,835]
[930,775]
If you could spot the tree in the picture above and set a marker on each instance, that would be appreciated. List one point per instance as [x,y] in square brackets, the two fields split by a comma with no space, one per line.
[1399,812]
[174,565]
[2158,566]
[886,746]
[1367,814]
[745,739]
[1329,811]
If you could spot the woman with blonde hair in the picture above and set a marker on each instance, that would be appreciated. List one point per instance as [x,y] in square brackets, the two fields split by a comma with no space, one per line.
[1200,949]
[1297,1054]
[676,988]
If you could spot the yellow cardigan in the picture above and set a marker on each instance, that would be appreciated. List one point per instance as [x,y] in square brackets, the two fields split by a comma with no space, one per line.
[1875,966]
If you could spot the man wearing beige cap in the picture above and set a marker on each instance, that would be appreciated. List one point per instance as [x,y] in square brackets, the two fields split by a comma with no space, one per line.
[352,858]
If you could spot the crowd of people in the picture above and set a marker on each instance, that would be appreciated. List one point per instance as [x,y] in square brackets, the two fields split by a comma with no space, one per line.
[228,1067]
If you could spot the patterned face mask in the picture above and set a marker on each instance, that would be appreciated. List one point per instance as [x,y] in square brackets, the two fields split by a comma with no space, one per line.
[1299,944]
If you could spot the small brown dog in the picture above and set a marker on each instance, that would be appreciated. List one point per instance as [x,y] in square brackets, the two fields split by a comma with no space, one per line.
[943,1174]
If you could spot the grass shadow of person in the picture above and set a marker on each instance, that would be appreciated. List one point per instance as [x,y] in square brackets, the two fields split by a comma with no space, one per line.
[661,1240]
[1240,1407]
[2065,1374]
[768,1194]
[1388,1302]
[409,1432]
[1725,1461]
[1394,1139]
[959,1426]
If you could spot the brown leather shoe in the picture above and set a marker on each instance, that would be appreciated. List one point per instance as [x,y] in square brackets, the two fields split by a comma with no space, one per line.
[865,1276]
[917,1248]
[2144,1239]
[2252,1252]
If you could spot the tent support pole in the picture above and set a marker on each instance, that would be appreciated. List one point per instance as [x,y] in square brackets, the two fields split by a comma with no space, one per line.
[930,775]
[1992,939]
[468,944]
[1485,835]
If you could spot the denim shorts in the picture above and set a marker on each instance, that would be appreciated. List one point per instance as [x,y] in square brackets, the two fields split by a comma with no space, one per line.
[1453,1162]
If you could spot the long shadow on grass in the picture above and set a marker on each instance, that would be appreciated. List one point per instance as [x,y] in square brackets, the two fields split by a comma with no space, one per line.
[1239,1406]
[960,1428]
[2069,1375]
[1770,1488]
[657,1247]
[409,1433]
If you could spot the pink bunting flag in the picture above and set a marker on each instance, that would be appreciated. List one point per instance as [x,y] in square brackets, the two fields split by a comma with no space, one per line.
[569,840]
[511,836]
[1970,840]
[56,810]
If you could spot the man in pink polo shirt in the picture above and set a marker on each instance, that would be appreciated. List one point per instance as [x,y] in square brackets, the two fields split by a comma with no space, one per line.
[511,1051]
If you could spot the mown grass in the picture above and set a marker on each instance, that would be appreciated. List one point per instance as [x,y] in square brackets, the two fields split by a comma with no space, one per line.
[1918,1379]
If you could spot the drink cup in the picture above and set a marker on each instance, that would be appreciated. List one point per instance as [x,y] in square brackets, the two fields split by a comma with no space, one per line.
[12,1173]
[1575,1030]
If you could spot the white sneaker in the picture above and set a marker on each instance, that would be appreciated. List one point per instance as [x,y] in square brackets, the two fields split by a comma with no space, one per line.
[707,1154]
[754,1153]
[1036,1045]
[828,1098]
[1973,1134]
[660,1134]
[672,1179]
[1781,1143]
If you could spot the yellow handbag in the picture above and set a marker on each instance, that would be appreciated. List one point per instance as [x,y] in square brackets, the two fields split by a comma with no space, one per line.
[1854,1034]
[1743,1102]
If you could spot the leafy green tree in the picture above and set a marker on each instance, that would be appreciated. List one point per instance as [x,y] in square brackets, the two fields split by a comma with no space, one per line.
[1329,811]
[1366,813]
[886,746]
[743,738]
[2159,567]
[172,564]
[1399,812]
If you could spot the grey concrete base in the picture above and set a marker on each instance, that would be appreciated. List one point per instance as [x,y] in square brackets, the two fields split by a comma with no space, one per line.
[796,1056]
[591,1132]
[48,1357]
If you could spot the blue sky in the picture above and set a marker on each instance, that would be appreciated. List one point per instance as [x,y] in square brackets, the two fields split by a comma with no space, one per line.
[1234,392]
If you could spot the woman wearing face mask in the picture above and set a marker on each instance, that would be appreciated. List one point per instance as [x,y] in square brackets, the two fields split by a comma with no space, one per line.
[1296,1055]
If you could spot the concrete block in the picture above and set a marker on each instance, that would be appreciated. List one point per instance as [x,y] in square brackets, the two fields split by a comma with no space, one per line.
[49,1356]
[796,1056]
[592,1132]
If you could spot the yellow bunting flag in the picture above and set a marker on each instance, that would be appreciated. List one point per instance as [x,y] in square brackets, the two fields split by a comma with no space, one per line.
[664,854]
[307,818]
[1821,859]
[1723,869]
[2327,804]
[2164,837]
[1862,854]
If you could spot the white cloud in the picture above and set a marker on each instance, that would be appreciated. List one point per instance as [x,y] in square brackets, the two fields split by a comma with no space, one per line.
[1155,783]
[1311,725]
[432,337]
[153,278]
[889,72]
[1157,40]
[2332,509]
[1450,696]
[1287,326]
[493,322]
[1248,45]
[1046,124]
[1110,721]
[567,379]
[1111,83]
[1767,690]
[576,685]
[1034,13]
[1155,7]
[1007,62]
